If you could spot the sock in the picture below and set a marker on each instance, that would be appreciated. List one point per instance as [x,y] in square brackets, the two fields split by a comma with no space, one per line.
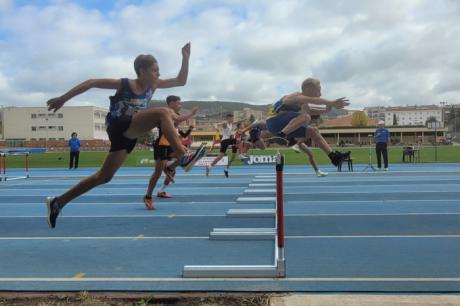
[58,204]
[148,196]
[163,188]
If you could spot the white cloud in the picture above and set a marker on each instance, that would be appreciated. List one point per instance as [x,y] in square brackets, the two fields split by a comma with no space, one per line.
[375,53]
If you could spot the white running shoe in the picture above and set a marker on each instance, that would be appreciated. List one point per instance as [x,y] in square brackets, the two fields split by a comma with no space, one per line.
[190,158]
[296,148]
[243,156]
[320,173]
[386,169]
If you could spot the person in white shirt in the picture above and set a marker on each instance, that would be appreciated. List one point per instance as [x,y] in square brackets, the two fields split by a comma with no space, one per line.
[227,130]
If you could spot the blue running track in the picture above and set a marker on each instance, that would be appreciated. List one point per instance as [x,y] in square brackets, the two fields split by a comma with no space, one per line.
[396,231]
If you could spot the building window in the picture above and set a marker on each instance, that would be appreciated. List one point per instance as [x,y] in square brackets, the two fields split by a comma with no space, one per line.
[60,115]
[33,116]
[60,128]
[61,138]
[41,115]
[51,115]
[34,128]
[42,128]
[52,128]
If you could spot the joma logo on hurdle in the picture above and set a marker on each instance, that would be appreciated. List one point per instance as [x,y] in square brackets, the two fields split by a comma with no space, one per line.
[261,159]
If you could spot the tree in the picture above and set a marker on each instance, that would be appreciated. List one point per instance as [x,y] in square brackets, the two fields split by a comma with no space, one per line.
[430,119]
[252,118]
[359,119]
[395,119]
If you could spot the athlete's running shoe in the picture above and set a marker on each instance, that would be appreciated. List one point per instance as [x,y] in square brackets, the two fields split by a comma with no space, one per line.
[320,173]
[148,201]
[226,173]
[189,159]
[53,210]
[163,194]
[244,156]
[296,148]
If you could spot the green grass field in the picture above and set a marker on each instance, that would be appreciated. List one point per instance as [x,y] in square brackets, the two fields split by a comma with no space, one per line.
[446,154]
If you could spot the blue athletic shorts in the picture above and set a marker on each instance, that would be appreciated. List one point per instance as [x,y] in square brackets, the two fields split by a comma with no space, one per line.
[277,123]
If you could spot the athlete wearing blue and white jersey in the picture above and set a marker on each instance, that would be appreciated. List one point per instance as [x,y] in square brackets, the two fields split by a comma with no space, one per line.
[127,120]
[288,117]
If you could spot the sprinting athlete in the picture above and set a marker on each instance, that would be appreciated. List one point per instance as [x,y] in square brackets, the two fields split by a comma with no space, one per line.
[129,117]
[228,139]
[162,152]
[290,107]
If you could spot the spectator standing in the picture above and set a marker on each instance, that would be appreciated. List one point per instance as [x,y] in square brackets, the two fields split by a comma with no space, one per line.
[382,138]
[74,144]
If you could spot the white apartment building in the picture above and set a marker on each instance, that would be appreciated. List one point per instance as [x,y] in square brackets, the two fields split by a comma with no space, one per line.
[412,115]
[376,112]
[246,113]
[37,123]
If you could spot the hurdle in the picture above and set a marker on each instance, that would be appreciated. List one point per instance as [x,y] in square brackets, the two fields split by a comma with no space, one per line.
[277,270]
[17,152]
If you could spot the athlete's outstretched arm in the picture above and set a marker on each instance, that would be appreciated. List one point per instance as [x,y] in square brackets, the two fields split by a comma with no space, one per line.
[56,103]
[181,78]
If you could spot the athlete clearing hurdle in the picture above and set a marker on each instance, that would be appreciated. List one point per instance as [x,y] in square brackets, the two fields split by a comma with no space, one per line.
[129,117]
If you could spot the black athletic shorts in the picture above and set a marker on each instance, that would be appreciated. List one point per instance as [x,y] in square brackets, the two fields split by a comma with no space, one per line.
[162,152]
[115,130]
[254,135]
[227,142]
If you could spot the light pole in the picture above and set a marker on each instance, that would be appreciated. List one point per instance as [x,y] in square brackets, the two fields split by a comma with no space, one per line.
[46,133]
[443,103]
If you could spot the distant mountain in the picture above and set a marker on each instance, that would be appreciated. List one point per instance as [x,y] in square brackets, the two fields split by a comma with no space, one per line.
[218,108]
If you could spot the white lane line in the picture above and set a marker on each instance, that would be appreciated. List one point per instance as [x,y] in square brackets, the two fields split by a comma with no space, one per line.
[368,201]
[128,203]
[137,238]
[115,216]
[371,214]
[286,215]
[306,202]
[309,193]
[179,279]
[370,236]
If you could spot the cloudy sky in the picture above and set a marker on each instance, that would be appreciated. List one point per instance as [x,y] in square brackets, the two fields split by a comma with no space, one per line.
[387,52]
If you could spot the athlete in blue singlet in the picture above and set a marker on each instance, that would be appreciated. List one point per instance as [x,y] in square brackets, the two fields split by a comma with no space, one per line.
[285,117]
[128,118]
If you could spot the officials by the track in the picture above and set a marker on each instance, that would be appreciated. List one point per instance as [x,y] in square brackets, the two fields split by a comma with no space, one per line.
[382,139]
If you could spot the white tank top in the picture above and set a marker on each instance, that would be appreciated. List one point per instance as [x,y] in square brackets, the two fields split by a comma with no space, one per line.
[227,132]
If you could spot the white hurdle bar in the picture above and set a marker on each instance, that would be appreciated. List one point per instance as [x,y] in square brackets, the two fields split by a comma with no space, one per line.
[277,270]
